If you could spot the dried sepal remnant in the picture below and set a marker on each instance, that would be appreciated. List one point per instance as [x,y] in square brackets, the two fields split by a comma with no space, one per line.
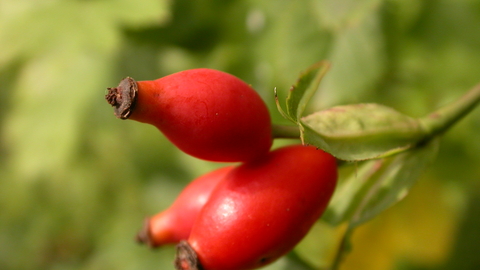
[186,258]
[123,97]
[144,236]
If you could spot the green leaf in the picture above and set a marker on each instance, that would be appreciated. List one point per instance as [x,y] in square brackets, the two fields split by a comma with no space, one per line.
[361,131]
[304,89]
[377,185]
[351,191]
[395,182]
[280,109]
[300,93]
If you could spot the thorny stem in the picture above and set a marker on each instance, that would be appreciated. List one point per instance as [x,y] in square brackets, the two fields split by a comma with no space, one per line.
[442,119]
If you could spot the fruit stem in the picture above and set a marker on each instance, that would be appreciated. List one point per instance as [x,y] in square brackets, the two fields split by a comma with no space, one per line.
[442,119]
[123,97]
[285,132]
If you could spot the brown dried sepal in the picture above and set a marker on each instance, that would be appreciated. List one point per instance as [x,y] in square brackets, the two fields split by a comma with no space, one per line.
[186,258]
[123,97]
[144,236]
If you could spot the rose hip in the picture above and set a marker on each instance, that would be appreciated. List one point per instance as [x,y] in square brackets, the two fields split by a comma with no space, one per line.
[206,113]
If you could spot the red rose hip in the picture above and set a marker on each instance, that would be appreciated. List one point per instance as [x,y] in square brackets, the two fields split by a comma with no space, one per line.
[175,223]
[206,113]
[260,211]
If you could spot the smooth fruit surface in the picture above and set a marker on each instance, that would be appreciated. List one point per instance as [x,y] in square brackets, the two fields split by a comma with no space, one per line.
[261,210]
[206,113]
[174,224]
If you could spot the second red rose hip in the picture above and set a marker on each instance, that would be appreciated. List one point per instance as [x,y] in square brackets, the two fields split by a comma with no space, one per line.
[260,211]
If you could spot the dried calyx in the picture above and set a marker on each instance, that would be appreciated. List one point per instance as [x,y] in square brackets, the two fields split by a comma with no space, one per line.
[123,97]
[186,258]
[144,236]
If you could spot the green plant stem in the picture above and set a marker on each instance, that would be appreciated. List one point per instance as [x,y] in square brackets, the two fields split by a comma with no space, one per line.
[442,119]
[285,132]
[343,249]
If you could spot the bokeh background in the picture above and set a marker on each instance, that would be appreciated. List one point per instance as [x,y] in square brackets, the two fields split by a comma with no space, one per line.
[76,183]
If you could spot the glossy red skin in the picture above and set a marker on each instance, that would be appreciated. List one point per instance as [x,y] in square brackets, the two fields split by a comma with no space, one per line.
[262,209]
[174,224]
[207,113]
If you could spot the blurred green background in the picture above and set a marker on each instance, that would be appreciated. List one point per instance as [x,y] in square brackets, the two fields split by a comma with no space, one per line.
[76,183]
